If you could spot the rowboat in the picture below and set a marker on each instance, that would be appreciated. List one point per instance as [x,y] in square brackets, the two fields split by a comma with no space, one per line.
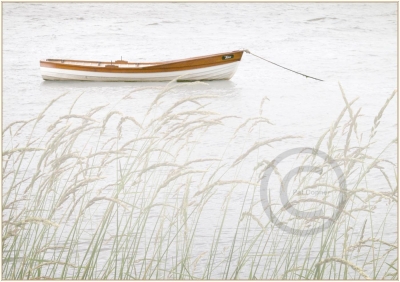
[211,67]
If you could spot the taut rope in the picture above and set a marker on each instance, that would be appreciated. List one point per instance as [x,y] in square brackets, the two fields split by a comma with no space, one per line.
[307,76]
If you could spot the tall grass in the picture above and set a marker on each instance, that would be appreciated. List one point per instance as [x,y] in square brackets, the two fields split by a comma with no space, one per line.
[106,195]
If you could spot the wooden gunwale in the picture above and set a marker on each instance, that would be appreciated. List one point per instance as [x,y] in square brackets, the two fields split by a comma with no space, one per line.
[167,66]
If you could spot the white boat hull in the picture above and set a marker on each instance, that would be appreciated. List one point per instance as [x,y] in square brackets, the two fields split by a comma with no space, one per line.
[225,71]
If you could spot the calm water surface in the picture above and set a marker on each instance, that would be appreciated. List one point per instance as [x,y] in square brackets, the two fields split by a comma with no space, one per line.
[354,44]
[351,44]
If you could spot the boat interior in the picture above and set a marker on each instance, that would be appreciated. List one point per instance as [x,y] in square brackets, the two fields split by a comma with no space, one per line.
[111,64]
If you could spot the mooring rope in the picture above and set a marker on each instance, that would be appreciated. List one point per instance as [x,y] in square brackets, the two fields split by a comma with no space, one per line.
[307,76]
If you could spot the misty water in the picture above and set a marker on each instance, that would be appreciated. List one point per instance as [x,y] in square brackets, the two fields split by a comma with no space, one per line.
[354,44]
